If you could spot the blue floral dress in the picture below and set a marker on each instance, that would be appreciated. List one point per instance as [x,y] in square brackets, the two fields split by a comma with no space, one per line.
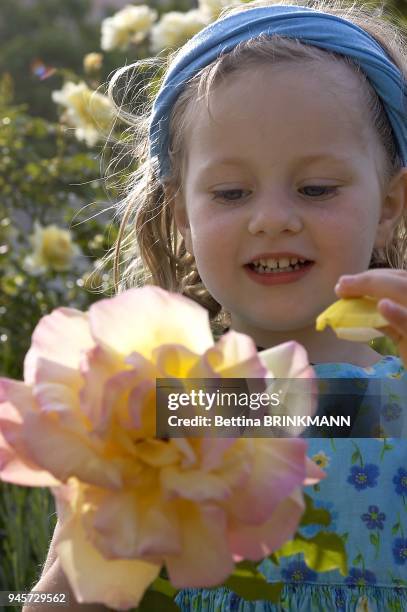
[365,492]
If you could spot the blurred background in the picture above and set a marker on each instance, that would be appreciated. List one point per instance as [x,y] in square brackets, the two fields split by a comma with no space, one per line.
[57,206]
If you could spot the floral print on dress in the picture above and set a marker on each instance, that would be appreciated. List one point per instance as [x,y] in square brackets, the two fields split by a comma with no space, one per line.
[298,571]
[400,551]
[374,518]
[362,477]
[400,480]
[360,577]
[321,459]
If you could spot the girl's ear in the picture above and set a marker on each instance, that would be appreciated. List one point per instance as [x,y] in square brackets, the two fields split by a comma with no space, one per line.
[175,200]
[395,202]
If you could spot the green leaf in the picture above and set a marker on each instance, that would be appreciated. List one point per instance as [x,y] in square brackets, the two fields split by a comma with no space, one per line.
[314,515]
[253,586]
[274,559]
[153,600]
[355,456]
[374,539]
[161,585]
[358,559]
[395,528]
[322,553]
[247,566]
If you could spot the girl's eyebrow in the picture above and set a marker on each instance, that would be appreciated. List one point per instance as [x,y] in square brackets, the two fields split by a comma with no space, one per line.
[306,159]
[222,161]
[322,157]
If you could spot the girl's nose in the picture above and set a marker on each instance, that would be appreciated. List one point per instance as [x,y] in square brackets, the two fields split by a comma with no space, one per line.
[273,215]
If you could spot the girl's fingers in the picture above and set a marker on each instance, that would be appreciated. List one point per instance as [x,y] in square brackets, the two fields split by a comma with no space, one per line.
[396,316]
[397,330]
[378,283]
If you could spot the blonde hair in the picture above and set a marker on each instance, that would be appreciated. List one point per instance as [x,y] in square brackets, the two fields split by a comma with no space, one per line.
[151,248]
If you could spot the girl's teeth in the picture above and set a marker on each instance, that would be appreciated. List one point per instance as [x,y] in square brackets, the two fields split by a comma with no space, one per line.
[284,264]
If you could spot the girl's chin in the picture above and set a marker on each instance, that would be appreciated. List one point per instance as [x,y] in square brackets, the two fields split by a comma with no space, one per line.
[273,324]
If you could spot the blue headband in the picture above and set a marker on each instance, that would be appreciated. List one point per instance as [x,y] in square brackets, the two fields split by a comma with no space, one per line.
[310,27]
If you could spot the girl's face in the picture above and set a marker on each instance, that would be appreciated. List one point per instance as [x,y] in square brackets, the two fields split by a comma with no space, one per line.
[285,167]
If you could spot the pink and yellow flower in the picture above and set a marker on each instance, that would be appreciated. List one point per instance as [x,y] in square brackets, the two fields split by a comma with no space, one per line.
[83,423]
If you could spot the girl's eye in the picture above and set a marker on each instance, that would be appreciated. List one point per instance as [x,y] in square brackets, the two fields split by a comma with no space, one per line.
[318,191]
[230,195]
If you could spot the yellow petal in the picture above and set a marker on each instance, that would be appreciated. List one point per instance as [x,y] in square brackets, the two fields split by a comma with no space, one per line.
[358,334]
[353,319]
[118,583]
[156,452]
[205,559]
[193,484]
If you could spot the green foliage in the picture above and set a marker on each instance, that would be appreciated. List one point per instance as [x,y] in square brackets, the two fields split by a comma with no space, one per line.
[322,553]
[384,346]
[247,582]
[27,521]
[314,516]
[46,176]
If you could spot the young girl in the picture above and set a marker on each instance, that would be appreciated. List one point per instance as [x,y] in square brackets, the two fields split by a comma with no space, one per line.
[272,181]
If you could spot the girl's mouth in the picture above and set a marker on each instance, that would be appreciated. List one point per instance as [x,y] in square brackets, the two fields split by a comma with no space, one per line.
[288,272]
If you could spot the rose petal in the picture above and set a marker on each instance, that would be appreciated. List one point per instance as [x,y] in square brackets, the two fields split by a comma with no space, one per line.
[132,525]
[358,334]
[287,360]
[278,468]
[187,450]
[117,583]
[193,484]
[174,360]
[21,472]
[235,356]
[97,365]
[254,542]
[16,400]
[296,383]
[213,451]
[64,453]
[65,328]
[157,453]
[61,401]
[112,322]
[205,559]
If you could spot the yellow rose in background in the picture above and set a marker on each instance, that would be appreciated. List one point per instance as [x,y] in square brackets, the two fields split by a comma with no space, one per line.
[175,28]
[91,113]
[130,25]
[53,249]
[92,62]
[213,8]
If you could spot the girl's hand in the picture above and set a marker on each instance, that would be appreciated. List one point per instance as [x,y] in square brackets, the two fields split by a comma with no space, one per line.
[389,286]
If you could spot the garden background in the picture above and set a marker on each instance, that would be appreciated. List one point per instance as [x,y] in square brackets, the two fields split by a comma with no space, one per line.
[57,204]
